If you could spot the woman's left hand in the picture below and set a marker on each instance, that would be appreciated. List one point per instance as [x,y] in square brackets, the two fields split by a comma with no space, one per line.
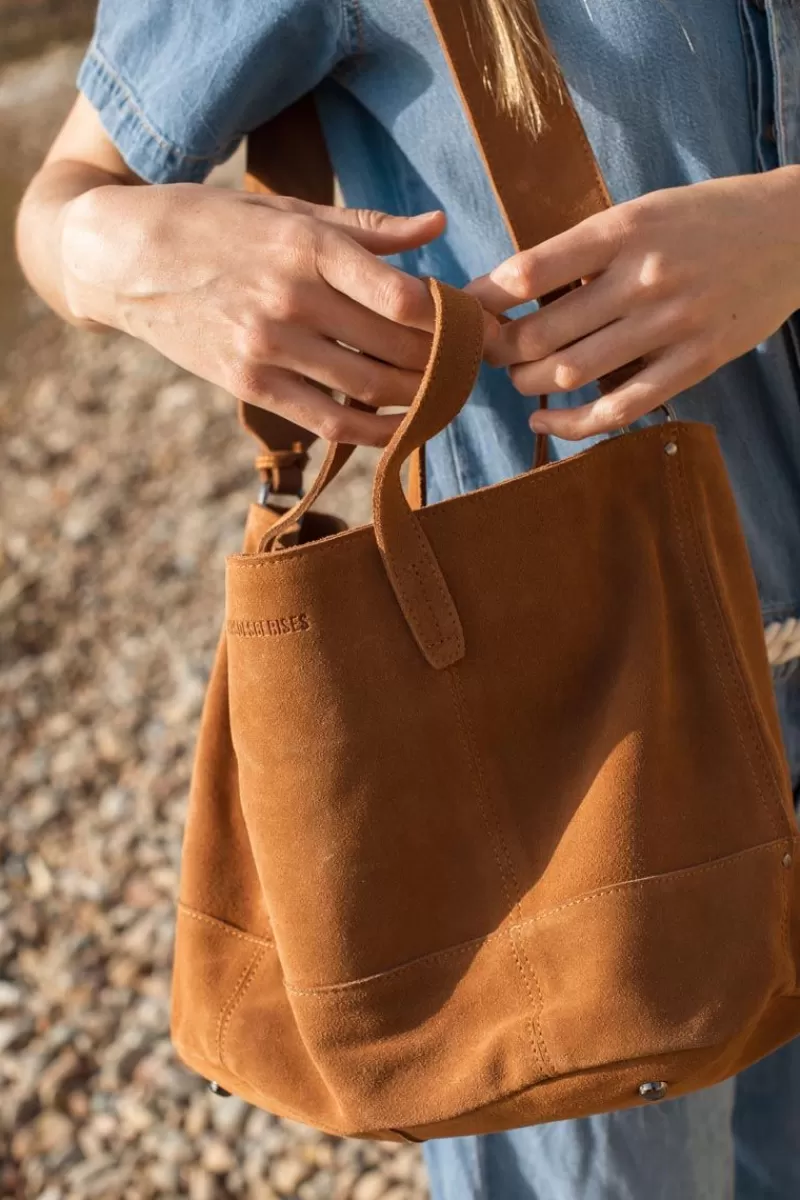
[679,282]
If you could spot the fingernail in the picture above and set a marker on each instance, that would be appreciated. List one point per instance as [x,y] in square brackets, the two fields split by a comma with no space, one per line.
[538,423]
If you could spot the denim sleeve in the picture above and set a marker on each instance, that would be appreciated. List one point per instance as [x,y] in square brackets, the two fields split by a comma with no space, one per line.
[177,85]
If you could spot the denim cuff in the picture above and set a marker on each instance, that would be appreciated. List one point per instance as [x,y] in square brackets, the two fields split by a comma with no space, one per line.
[143,146]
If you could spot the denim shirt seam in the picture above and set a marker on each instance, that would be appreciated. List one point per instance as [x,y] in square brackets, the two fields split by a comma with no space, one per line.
[127,94]
[775,16]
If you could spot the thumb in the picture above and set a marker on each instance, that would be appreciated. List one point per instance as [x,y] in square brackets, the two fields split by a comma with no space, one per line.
[382,233]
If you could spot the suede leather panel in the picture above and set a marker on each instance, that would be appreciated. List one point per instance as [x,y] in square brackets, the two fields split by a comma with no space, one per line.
[312,1056]
[214,819]
[213,963]
[417,1014]
[625,724]
[429,896]
[672,991]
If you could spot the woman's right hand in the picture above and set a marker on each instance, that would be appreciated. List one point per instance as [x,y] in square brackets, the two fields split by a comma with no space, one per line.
[271,298]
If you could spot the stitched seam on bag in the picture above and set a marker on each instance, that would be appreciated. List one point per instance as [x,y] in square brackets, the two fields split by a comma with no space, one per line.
[439,956]
[413,569]
[440,641]
[454,638]
[744,699]
[245,979]
[576,465]
[512,893]
[434,570]
[733,702]
[186,911]
[427,960]
[588,154]
[666,880]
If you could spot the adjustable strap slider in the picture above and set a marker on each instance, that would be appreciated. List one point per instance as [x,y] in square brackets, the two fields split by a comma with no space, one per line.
[281,471]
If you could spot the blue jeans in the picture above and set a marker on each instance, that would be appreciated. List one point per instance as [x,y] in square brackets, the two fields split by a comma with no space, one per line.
[739,1139]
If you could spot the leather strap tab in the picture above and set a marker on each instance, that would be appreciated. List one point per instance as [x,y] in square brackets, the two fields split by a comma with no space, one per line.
[282,470]
[409,560]
[287,157]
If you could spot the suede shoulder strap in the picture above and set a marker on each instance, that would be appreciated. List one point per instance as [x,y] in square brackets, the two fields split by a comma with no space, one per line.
[545,182]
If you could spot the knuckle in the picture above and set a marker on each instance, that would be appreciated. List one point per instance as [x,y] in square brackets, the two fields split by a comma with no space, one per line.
[613,413]
[519,274]
[369,219]
[250,381]
[654,272]
[298,234]
[373,390]
[256,342]
[569,375]
[286,305]
[523,382]
[533,344]
[396,300]
[333,426]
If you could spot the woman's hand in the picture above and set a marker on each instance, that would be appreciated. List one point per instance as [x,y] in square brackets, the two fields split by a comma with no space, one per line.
[679,282]
[263,295]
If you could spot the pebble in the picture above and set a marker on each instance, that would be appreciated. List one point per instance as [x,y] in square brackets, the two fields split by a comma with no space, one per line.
[202,1186]
[229,1115]
[218,1157]
[196,1119]
[261,1190]
[286,1175]
[370,1186]
[63,1072]
[164,1176]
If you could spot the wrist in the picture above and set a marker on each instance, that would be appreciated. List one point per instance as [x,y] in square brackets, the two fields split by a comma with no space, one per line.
[86,241]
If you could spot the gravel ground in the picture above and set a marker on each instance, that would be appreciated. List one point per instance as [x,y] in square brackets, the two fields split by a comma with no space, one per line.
[123,482]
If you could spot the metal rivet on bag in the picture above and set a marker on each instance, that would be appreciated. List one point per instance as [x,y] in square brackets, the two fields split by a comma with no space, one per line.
[653,1091]
[671,448]
[217,1089]
[787,860]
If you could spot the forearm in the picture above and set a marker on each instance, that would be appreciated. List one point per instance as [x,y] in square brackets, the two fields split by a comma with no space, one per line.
[43,213]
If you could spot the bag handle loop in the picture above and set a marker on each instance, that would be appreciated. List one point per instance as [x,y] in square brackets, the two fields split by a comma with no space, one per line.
[411,566]
[410,563]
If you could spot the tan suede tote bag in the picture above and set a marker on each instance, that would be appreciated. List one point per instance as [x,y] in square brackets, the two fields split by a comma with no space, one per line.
[490,822]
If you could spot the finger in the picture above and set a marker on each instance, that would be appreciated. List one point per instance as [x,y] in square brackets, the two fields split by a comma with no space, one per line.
[618,344]
[384,234]
[580,252]
[380,232]
[555,326]
[355,272]
[342,320]
[325,362]
[664,377]
[291,397]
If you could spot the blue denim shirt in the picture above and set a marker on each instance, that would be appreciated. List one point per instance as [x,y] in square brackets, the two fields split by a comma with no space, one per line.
[669,94]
